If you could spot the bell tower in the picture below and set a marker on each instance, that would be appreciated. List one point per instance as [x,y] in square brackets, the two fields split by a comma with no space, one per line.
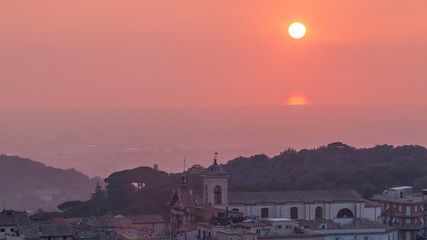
[215,184]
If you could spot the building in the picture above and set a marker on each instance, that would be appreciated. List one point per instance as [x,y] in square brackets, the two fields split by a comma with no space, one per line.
[304,205]
[350,229]
[9,222]
[46,232]
[402,210]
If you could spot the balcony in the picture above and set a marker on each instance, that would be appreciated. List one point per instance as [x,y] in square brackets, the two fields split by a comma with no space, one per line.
[408,226]
[414,214]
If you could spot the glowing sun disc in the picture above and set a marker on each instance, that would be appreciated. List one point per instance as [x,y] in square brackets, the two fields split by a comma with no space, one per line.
[297,30]
[297,98]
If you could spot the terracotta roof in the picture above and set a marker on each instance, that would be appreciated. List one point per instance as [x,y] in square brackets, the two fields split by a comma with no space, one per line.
[12,218]
[82,227]
[317,223]
[368,224]
[152,218]
[293,196]
[372,204]
[29,231]
[185,196]
[358,223]
[250,224]
[100,222]
[58,230]
[194,227]
[48,230]
[58,220]
[236,232]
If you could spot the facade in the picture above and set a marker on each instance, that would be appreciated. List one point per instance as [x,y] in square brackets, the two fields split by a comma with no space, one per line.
[304,205]
[403,210]
[9,222]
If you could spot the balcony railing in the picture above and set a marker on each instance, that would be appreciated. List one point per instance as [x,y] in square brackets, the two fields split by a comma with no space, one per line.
[415,214]
[408,226]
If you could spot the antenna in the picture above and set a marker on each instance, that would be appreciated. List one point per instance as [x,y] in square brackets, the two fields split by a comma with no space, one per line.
[184,163]
[215,156]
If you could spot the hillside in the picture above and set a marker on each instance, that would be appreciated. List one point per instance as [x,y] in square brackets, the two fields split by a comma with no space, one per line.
[30,185]
[334,166]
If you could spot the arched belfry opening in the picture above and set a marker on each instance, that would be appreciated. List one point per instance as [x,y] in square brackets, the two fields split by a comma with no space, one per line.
[217,194]
[215,182]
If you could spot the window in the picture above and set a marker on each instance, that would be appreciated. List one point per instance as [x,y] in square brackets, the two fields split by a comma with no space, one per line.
[2,230]
[319,212]
[258,231]
[408,210]
[294,212]
[206,194]
[264,212]
[234,210]
[288,226]
[365,238]
[12,229]
[217,195]
[345,213]
[306,226]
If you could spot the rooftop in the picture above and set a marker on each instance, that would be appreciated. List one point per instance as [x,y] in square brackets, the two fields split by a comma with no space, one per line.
[294,196]
[401,188]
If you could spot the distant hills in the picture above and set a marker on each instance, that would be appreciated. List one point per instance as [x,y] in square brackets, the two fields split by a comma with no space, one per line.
[146,190]
[29,185]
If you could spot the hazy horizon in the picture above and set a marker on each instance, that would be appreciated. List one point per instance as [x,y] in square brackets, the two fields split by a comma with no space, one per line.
[101,141]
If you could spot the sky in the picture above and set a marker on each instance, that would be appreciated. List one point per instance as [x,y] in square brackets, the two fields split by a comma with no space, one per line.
[79,54]
[106,85]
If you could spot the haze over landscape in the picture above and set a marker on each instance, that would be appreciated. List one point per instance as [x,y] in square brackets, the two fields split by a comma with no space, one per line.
[102,86]
[101,141]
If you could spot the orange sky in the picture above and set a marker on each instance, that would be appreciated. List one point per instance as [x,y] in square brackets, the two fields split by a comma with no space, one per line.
[80,53]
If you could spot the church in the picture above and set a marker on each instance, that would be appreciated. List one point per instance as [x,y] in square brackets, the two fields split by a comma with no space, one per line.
[296,205]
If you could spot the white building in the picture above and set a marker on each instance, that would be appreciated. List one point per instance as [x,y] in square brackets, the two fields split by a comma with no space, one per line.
[304,205]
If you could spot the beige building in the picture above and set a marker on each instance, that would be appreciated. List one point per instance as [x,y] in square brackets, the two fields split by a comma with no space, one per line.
[304,205]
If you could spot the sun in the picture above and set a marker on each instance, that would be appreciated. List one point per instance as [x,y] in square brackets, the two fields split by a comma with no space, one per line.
[297,98]
[297,30]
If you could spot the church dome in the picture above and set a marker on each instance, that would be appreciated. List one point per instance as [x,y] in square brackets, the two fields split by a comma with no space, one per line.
[214,170]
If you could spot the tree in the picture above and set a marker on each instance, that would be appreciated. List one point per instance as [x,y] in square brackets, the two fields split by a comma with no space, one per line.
[69,204]
[99,193]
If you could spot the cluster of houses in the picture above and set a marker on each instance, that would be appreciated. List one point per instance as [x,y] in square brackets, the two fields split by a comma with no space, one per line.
[15,225]
[397,214]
